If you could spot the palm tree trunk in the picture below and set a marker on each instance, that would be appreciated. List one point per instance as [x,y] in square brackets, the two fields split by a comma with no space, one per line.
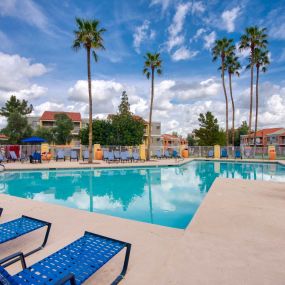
[150,115]
[90,159]
[251,95]
[233,109]
[256,106]
[227,105]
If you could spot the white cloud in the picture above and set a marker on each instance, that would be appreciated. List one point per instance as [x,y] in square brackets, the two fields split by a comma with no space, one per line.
[16,75]
[164,3]
[229,17]
[25,10]
[198,35]
[142,33]
[176,26]
[209,40]
[198,7]
[183,54]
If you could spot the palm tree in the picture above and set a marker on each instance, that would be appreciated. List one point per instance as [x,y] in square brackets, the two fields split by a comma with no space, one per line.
[222,49]
[152,63]
[253,38]
[261,60]
[89,36]
[232,66]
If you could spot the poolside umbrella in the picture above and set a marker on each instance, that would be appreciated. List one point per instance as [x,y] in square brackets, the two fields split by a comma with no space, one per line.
[33,140]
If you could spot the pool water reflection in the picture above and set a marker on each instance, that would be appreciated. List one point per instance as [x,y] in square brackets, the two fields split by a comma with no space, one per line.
[167,196]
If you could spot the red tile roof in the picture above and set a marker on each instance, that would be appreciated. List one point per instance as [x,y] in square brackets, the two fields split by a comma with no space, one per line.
[50,116]
[265,132]
[168,136]
[3,137]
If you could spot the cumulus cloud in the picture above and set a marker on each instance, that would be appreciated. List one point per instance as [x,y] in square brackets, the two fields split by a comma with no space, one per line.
[16,75]
[209,40]
[229,17]
[183,53]
[198,34]
[142,33]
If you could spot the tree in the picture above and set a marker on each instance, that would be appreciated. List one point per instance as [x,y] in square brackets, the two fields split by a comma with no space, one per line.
[190,139]
[221,50]
[209,132]
[62,129]
[14,105]
[45,133]
[17,128]
[152,63]
[89,36]
[253,38]
[122,128]
[261,61]
[124,107]
[233,66]
[242,130]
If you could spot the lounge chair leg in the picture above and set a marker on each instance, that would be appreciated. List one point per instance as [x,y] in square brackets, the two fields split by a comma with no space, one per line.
[125,266]
[36,249]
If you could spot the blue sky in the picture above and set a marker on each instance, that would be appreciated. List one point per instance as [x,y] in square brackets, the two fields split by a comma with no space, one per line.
[38,64]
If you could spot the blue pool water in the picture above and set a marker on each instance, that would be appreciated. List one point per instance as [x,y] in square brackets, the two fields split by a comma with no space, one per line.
[167,196]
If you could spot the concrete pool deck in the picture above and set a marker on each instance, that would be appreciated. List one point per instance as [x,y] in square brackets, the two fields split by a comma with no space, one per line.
[236,237]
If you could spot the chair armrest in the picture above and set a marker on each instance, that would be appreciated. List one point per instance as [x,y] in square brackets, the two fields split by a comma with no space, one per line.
[18,256]
[69,277]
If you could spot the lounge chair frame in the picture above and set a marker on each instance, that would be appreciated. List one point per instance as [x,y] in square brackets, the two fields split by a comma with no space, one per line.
[47,224]
[19,256]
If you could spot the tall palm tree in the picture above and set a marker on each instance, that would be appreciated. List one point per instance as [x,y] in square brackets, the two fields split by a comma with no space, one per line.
[261,61]
[89,36]
[222,49]
[253,38]
[152,64]
[232,66]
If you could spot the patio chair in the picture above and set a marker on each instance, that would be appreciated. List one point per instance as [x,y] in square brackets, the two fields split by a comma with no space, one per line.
[21,226]
[60,155]
[36,157]
[2,158]
[117,155]
[167,154]
[73,155]
[73,264]
[224,153]
[158,154]
[105,155]
[85,155]
[176,155]
[124,156]
[210,154]
[238,154]
[136,157]
[111,157]
[13,155]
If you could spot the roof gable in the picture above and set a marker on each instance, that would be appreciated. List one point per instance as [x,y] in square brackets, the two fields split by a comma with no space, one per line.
[50,116]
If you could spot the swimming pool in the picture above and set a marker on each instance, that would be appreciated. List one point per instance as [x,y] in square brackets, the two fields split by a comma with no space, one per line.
[167,196]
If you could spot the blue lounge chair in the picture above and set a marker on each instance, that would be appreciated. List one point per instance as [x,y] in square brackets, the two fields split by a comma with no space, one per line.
[36,157]
[2,158]
[158,154]
[105,155]
[238,154]
[13,155]
[167,154]
[111,157]
[210,154]
[73,155]
[73,264]
[60,155]
[136,156]
[117,155]
[175,154]
[124,156]
[224,153]
[21,226]
[85,155]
